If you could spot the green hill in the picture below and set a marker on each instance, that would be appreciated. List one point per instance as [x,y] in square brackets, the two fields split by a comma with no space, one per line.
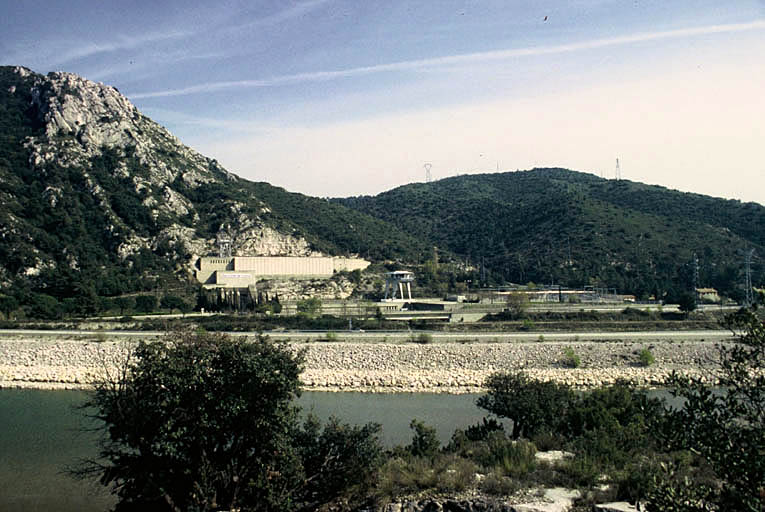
[575,229]
[97,200]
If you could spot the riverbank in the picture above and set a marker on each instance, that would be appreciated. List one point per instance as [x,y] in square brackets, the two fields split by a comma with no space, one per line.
[72,362]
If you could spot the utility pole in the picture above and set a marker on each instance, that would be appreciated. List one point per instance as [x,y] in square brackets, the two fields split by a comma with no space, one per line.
[748,284]
[695,278]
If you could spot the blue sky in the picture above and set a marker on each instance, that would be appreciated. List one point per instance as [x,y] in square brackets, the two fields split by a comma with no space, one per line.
[336,97]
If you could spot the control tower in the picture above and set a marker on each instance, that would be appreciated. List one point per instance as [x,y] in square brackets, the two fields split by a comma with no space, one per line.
[395,281]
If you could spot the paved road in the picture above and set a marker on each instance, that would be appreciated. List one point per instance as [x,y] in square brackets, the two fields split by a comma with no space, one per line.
[403,335]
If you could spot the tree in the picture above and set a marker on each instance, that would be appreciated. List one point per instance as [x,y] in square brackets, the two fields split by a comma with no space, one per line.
[8,305]
[124,303]
[172,302]
[533,406]
[725,428]
[44,307]
[686,303]
[517,304]
[145,303]
[204,422]
[86,299]
[310,306]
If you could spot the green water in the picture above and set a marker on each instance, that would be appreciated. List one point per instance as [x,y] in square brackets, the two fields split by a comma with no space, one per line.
[42,434]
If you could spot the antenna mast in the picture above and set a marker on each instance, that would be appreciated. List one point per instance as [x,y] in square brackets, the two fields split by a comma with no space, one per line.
[618,172]
[428,176]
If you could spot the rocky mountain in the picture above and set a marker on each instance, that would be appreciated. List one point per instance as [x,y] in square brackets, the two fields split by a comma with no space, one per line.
[96,199]
[571,228]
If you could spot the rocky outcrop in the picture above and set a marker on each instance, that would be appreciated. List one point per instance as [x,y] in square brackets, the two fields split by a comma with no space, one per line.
[445,505]
[618,506]
[82,118]
[96,132]
[549,500]
[336,288]
[260,240]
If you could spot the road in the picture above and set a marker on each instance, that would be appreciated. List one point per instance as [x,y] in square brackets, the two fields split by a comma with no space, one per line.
[404,335]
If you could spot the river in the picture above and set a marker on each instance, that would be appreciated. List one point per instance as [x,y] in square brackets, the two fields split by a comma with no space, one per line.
[42,433]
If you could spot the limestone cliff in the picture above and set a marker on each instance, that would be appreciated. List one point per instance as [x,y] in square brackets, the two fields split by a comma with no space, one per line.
[83,120]
[93,189]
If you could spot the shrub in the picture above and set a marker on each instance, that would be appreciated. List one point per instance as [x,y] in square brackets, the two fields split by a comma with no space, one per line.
[613,423]
[445,473]
[582,471]
[570,358]
[511,458]
[646,357]
[482,431]
[499,485]
[424,440]
[635,312]
[423,338]
[455,474]
[331,336]
[400,475]
[546,441]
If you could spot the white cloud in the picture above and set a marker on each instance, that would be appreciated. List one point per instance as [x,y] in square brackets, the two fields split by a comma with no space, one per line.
[453,60]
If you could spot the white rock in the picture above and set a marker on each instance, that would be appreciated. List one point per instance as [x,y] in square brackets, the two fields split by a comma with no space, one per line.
[619,506]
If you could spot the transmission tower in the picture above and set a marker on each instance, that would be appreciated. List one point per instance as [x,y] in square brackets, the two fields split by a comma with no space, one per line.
[748,285]
[618,171]
[428,176]
[695,278]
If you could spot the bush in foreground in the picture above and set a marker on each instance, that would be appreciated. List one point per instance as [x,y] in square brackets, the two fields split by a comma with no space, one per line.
[726,429]
[204,422]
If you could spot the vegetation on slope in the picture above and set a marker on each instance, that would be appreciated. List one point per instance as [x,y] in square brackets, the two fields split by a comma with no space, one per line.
[563,227]
[75,230]
[204,422]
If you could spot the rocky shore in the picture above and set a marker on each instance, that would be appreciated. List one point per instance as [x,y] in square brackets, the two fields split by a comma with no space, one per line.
[54,362]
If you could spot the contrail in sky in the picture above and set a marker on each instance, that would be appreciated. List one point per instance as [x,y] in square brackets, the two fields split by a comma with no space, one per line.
[489,56]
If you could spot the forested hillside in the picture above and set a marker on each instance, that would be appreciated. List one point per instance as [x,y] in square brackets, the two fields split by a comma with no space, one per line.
[570,228]
[97,200]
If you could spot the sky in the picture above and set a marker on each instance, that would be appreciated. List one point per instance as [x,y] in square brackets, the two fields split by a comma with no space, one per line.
[348,97]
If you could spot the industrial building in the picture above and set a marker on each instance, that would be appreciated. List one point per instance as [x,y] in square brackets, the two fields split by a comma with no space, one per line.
[245,271]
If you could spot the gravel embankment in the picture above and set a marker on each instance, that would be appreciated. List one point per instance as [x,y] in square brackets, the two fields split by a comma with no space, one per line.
[50,362]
